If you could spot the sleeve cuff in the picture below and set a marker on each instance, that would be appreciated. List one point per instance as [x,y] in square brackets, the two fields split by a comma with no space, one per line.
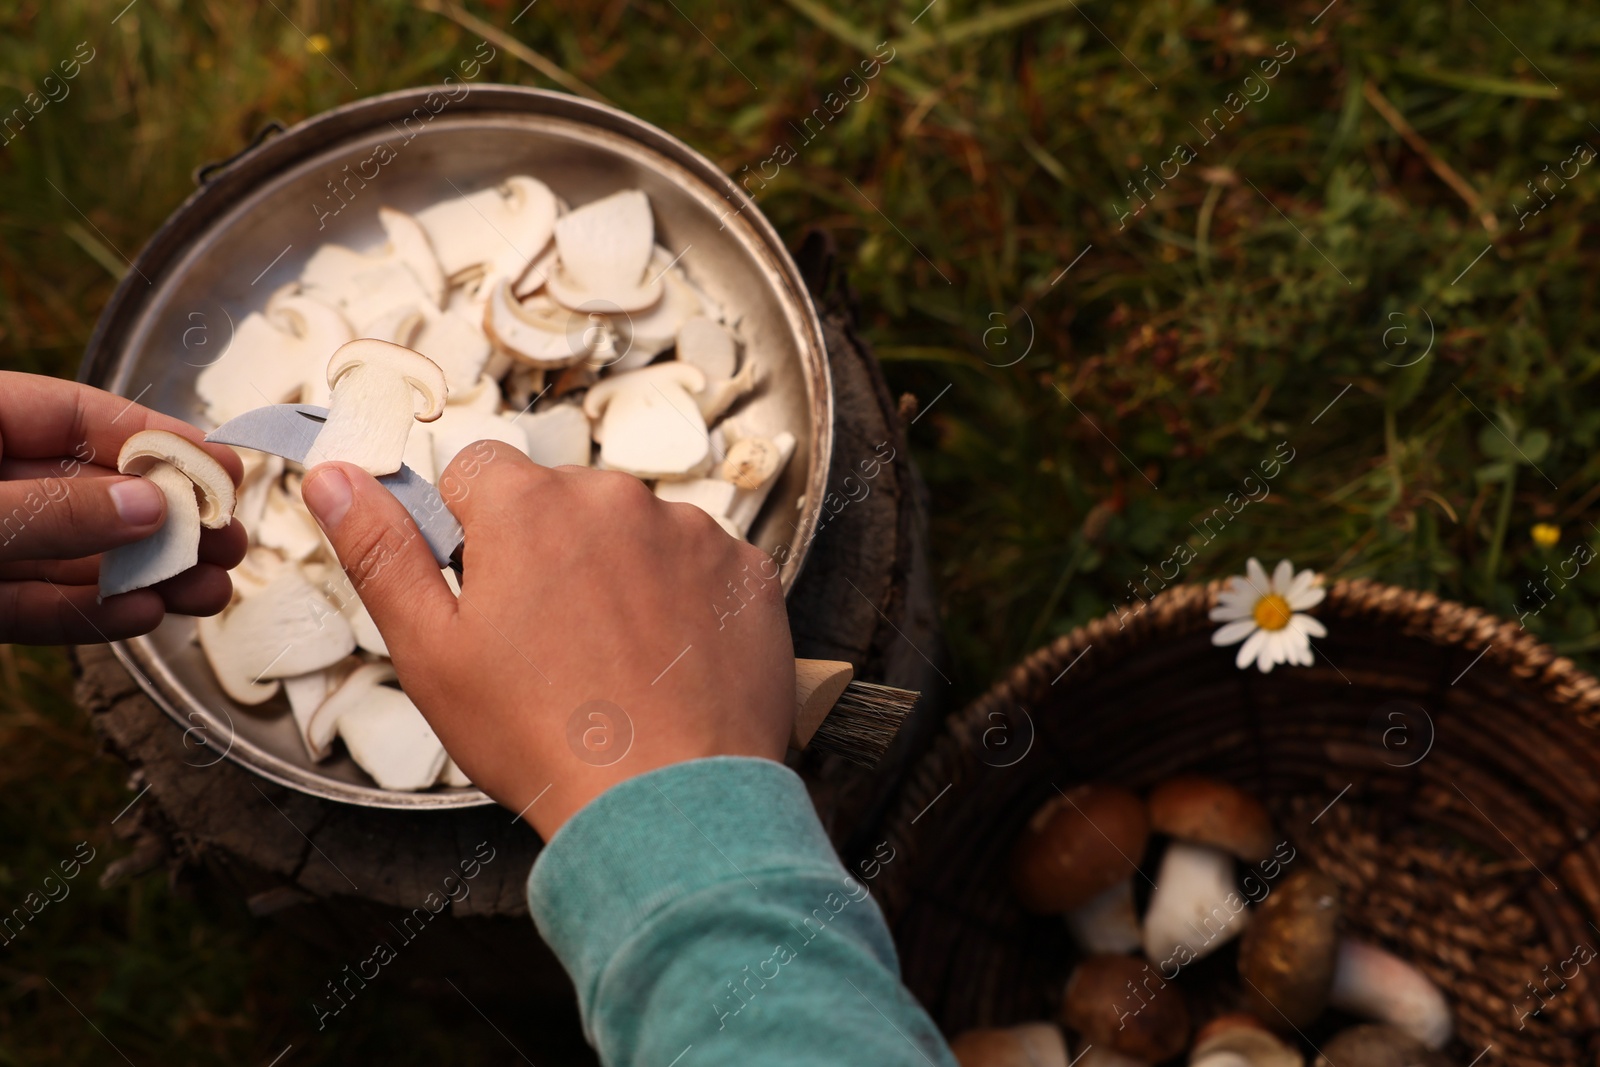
[651,840]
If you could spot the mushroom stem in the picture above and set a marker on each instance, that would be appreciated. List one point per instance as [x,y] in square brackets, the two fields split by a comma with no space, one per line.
[1195,908]
[1376,984]
[1109,923]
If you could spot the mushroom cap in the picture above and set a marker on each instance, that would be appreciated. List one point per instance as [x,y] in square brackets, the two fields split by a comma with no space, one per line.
[1376,1045]
[663,375]
[1078,845]
[1210,812]
[1100,1004]
[1288,953]
[1027,1045]
[420,372]
[1246,1037]
[146,448]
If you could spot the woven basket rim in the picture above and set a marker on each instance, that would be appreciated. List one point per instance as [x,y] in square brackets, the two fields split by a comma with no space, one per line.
[1184,609]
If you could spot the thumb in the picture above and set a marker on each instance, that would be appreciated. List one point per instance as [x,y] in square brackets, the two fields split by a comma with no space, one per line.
[383,552]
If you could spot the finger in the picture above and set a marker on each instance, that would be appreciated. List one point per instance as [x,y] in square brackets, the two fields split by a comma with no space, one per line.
[225,547]
[63,519]
[203,589]
[82,571]
[48,417]
[43,613]
[12,470]
[485,486]
[384,554]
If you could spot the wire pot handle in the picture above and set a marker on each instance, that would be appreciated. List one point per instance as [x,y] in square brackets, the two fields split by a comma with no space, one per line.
[206,171]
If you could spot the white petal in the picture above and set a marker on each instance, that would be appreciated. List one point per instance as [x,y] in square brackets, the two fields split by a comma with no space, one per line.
[1308,625]
[1257,577]
[1233,632]
[1302,581]
[1309,598]
[1229,612]
[1248,651]
[1232,597]
[1271,654]
[1305,658]
[1282,576]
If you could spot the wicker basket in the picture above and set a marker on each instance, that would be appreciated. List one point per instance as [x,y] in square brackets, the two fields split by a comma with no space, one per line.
[1439,763]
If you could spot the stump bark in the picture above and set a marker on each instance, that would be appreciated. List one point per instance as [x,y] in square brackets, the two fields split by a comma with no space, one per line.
[336,873]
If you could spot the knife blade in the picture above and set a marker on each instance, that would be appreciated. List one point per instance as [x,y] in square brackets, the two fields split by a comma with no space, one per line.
[288,430]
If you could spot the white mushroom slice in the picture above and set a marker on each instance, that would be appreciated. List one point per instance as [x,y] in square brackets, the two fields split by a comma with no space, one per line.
[1190,907]
[256,571]
[457,344]
[365,289]
[198,491]
[649,423]
[390,740]
[709,346]
[643,336]
[261,473]
[241,684]
[399,326]
[263,364]
[419,453]
[459,428]
[409,244]
[483,395]
[711,495]
[288,628]
[323,726]
[372,408]
[557,435]
[496,231]
[747,502]
[368,639]
[539,331]
[605,247]
[286,525]
[538,273]
[450,775]
[717,397]
[307,692]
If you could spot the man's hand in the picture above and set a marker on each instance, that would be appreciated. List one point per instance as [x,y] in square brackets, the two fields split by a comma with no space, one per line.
[62,503]
[593,639]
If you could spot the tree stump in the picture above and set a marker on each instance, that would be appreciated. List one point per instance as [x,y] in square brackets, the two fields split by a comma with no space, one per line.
[337,874]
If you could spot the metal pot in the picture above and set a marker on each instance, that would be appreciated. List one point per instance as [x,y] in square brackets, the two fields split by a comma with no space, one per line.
[253,222]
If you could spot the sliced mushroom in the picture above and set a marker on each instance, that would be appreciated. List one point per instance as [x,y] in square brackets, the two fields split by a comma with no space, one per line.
[373,404]
[198,491]
[496,231]
[459,428]
[483,395]
[419,453]
[390,740]
[451,775]
[365,289]
[307,692]
[409,244]
[1375,984]
[538,332]
[350,693]
[457,344]
[714,496]
[718,396]
[256,571]
[227,665]
[642,336]
[649,423]
[266,362]
[708,345]
[288,628]
[605,247]
[750,474]
[286,525]
[557,435]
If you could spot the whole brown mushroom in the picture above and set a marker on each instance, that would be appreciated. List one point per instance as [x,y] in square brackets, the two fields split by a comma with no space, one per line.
[1376,1045]
[1111,1002]
[1241,1040]
[1078,845]
[1027,1045]
[1288,954]
[1206,811]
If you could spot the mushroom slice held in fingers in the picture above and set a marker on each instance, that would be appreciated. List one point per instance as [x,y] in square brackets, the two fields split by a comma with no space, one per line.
[198,491]
[375,386]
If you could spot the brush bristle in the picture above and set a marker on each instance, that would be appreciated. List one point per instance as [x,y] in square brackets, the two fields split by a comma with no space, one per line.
[863,724]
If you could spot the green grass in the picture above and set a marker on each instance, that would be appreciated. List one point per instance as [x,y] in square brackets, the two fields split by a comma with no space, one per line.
[1176,354]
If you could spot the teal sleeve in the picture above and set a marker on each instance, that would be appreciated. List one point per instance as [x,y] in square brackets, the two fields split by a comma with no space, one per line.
[706,920]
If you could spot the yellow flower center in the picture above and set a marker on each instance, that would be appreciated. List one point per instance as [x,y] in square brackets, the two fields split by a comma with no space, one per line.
[1272,612]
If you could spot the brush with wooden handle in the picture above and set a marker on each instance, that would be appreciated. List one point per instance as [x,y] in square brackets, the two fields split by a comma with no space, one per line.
[835,713]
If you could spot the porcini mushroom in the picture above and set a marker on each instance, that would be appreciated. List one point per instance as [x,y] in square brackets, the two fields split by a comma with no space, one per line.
[287,628]
[390,740]
[374,389]
[409,244]
[605,247]
[538,331]
[1118,1002]
[714,496]
[323,725]
[1027,1045]
[269,357]
[1372,1045]
[1287,956]
[753,465]
[461,427]
[1196,908]
[649,423]
[720,395]
[643,335]
[1240,1040]
[496,231]
[708,345]
[198,491]
[557,436]
[1375,984]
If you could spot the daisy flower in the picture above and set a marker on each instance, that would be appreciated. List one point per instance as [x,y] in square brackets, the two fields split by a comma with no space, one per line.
[1267,612]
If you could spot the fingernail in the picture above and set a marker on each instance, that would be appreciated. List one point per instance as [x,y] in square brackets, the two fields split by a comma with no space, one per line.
[138,502]
[327,493]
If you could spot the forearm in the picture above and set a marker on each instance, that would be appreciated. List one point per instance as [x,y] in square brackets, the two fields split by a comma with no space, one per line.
[700,907]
